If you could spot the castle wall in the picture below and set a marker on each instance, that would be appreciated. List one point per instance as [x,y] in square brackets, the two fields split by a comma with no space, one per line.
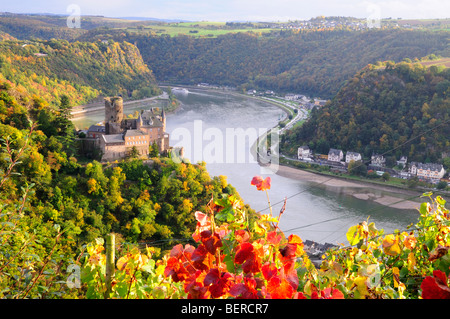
[114,152]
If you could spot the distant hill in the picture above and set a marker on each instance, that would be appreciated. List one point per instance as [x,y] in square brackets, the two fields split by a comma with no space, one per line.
[381,108]
[54,26]
[315,63]
[153,19]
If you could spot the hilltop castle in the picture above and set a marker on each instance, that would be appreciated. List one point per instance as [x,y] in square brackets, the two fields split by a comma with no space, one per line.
[117,137]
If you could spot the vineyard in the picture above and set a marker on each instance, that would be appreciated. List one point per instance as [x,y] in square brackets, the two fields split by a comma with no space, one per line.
[233,259]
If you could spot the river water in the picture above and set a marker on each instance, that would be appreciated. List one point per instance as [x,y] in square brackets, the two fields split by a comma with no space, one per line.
[210,124]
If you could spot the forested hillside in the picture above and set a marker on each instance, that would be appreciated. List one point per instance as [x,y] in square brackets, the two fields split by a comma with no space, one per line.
[315,63]
[381,108]
[81,70]
[45,190]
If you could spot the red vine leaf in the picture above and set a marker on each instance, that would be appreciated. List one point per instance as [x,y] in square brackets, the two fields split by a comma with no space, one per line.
[241,236]
[435,287]
[211,241]
[269,270]
[260,183]
[274,238]
[219,283]
[246,257]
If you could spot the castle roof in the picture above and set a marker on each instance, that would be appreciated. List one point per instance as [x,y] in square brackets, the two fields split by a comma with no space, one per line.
[149,118]
[113,138]
[97,128]
[134,133]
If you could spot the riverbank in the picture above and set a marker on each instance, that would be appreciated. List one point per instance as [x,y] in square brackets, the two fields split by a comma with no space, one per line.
[355,188]
[358,189]
[81,110]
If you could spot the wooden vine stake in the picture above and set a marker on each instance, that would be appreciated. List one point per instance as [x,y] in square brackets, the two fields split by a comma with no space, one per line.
[110,268]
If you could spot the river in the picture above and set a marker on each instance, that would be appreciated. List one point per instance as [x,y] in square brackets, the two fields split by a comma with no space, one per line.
[317,212]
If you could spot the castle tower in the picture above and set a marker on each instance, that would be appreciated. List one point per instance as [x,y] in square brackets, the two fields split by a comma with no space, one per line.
[163,119]
[113,114]
[139,122]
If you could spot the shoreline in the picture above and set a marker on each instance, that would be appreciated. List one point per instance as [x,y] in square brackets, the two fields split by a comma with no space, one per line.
[356,189]
[80,110]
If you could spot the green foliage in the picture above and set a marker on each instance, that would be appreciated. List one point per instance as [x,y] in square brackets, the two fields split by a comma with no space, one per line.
[380,109]
[315,63]
[72,204]
[357,168]
[78,71]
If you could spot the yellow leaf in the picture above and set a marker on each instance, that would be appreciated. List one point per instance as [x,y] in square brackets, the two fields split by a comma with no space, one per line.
[122,262]
[410,242]
[338,268]
[411,261]
[307,289]
[259,229]
[391,246]
[361,285]
[268,218]
[396,275]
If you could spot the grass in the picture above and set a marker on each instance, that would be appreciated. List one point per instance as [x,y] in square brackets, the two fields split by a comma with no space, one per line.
[195,29]
[204,29]
[298,123]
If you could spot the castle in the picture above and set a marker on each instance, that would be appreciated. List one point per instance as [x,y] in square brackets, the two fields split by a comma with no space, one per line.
[118,136]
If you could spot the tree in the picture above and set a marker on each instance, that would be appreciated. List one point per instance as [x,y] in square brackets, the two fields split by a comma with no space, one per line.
[446,163]
[133,153]
[357,168]
[441,185]
[64,107]
[154,150]
[385,176]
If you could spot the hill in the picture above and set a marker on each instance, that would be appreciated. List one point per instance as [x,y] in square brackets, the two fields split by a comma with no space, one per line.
[45,189]
[312,57]
[381,108]
[315,63]
[81,70]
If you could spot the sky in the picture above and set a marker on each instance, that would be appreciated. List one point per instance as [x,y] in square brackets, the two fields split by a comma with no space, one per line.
[237,10]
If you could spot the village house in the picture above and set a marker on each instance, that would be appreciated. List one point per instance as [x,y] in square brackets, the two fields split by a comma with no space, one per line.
[378,160]
[429,171]
[402,161]
[335,155]
[304,152]
[352,156]
[293,97]
[320,102]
